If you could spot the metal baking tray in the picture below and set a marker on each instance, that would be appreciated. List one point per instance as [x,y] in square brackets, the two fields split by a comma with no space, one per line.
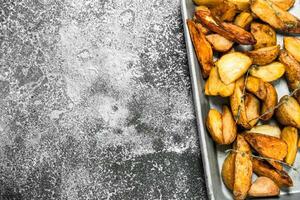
[213,155]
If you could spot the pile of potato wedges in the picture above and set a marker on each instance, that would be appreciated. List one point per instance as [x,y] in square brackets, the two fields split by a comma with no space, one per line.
[219,31]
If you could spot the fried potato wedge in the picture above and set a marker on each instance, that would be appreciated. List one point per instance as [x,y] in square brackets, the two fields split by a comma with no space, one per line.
[242,5]
[242,168]
[269,103]
[270,72]
[208,3]
[202,48]
[268,146]
[290,136]
[214,86]
[270,130]
[232,66]
[219,43]
[225,11]
[262,168]
[284,4]
[227,30]
[243,20]
[201,28]
[292,71]
[252,107]
[221,127]
[257,87]
[228,171]
[263,187]
[265,55]
[288,113]
[278,18]
[265,35]
[292,45]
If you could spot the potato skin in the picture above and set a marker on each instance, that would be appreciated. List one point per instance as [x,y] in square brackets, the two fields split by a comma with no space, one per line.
[262,168]
[257,87]
[243,20]
[290,136]
[228,171]
[288,113]
[268,146]
[292,71]
[202,48]
[263,187]
[243,169]
[269,103]
[265,55]
[264,35]
[219,43]
[225,11]
[208,3]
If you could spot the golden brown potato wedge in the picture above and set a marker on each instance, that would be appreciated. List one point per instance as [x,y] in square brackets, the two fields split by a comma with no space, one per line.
[201,28]
[243,20]
[208,3]
[219,43]
[268,146]
[292,72]
[202,48]
[228,171]
[225,11]
[227,30]
[265,55]
[221,127]
[252,107]
[268,106]
[270,72]
[288,113]
[284,4]
[265,35]
[242,5]
[257,87]
[292,45]
[262,168]
[263,187]
[232,66]
[270,130]
[279,19]
[242,168]
[214,86]
[290,136]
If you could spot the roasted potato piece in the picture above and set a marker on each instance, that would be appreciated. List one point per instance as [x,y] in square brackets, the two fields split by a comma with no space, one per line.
[270,130]
[268,106]
[268,146]
[292,71]
[262,168]
[268,73]
[257,87]
[208,3]
[242,5]
[290,136]
[263,187]
[243,20]
[232,66]
[284,4]
[228,171]
[292,45]
[288,113]
[227,30]
[225,11]
[264,56]
[219,43]
[265,36]
[202,48]
[201,28]
[279,19]
[214,86]
[215,124]
[246,111]
[242,168]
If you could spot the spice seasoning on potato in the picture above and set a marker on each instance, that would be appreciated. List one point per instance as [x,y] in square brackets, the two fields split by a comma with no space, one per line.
[264,34]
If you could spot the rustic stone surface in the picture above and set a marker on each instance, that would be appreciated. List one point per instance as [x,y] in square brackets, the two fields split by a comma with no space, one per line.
[95,101]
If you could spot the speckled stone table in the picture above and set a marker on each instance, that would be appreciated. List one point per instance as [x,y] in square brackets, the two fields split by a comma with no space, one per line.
[95,101]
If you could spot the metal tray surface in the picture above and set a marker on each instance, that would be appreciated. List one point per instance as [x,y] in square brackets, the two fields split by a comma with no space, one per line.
[213,155]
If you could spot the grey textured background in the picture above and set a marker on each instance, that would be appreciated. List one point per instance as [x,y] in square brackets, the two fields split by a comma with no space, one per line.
[95,101]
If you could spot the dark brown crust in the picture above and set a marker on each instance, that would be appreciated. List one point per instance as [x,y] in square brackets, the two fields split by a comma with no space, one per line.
[227,30]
